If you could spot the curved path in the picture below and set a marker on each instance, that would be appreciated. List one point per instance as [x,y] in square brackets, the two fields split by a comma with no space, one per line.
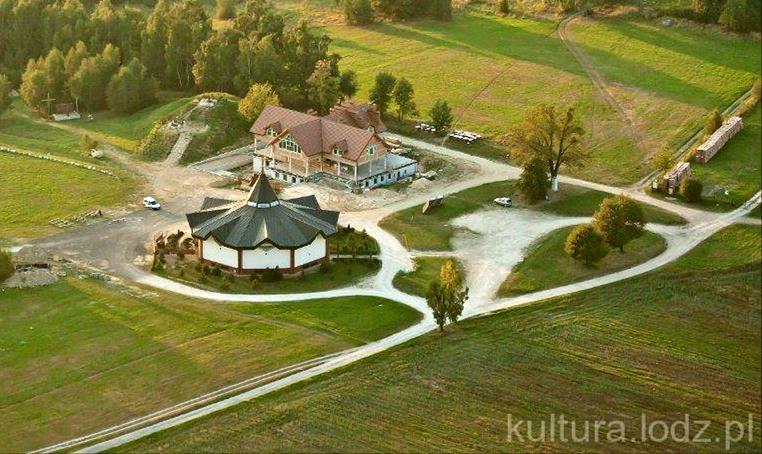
[394,258]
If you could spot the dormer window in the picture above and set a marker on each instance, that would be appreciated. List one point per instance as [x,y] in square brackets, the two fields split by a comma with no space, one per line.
[270,132]
[337,151]
[370,150]
[288,144]
[371,128]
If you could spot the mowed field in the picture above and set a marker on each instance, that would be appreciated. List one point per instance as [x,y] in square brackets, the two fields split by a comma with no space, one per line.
[491,70]
[669,78]
[80,355]
[35,191]
[673,342]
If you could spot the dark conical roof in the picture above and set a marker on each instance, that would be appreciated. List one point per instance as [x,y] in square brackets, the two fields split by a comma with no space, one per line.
[262,192]
[262,218]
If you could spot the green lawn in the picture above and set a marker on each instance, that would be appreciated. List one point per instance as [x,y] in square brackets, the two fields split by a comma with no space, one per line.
[669,77]
[732,246]
[24,134]
[432,231]
[341,273]
[736,167]
[417,281]
[79,355]
[126,131]
[546,264]
[662,345]
[576,201]
[34,191]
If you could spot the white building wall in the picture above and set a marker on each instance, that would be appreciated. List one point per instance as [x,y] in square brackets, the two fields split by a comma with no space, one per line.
[311,252]
[266,257]
[218,253]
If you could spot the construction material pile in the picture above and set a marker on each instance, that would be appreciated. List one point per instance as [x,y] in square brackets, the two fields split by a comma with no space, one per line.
[718,139]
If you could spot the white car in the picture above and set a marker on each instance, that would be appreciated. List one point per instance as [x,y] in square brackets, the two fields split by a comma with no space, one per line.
[504,202]
[150,202]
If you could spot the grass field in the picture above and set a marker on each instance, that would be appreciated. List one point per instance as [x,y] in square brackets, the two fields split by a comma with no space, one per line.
[661,345]
[546,264]
[24,134]
[417,281]
[432,231]
[341,273]
[736,168]
[80,355]
[668,78]
[502,65]
[126,131]
[34,191]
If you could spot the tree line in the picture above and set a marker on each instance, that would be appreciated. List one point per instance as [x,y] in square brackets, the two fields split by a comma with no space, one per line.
[364,12]
[103,55]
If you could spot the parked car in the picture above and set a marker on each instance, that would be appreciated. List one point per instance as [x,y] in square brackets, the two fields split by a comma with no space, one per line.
[504,202]
[150,202]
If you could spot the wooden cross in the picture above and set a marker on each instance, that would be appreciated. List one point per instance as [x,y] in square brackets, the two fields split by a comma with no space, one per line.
[49,101]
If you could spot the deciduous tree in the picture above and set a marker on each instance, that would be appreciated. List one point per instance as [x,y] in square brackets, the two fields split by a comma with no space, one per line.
[553,136]
[323,88]
[131,88]
[215,61]
[663,160]
[5,98]
[441,116]
[225,9]
[381,94]
[533,182]
[358,12]
[348,84]
[436,301]
[74,58]
[454,293]
[620,220]
[34,87]
[403,97]
[255,101]
[585,244]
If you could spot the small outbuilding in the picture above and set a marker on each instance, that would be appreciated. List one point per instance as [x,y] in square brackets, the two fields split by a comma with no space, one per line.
[263,232]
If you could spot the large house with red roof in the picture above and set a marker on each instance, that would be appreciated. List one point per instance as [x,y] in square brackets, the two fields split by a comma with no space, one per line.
[343,145]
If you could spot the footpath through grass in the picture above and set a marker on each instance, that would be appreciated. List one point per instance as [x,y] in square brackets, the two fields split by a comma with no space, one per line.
[33,191]
[432,232]
[669,77]
[662,345]
[546,264]
[80,355]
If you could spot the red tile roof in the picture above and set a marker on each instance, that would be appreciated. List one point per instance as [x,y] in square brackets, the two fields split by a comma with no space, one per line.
[313,134]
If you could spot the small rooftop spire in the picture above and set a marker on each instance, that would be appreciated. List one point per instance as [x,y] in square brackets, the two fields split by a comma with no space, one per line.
[262,192]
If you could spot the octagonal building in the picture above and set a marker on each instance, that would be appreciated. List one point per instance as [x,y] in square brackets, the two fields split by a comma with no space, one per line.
[262,232]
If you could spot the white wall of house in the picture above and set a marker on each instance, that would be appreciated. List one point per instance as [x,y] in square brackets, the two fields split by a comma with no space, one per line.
[218,253]
[311,252]
[266,257]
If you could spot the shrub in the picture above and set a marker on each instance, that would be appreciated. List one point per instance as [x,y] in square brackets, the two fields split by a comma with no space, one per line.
[198,266]
[181,255]
[205,270]
[272,275]
[503,7]
[585,244]
[325,267]
[6,265]
[230,277]
[216,271]
[691,189]
[181,273]
[713,122]
[225,9]
[534,182]
[358,12]
[203,279]
[225,286]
